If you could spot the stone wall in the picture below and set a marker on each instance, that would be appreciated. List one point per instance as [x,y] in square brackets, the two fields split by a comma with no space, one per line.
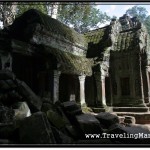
[123,66]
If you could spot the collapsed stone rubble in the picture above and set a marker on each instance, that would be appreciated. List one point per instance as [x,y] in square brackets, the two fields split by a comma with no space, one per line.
[26,118]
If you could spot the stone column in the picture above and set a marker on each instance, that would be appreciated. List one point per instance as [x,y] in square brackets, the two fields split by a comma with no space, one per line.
[103,90]
[82,91]
[56,86]
[100,85]
[148,83]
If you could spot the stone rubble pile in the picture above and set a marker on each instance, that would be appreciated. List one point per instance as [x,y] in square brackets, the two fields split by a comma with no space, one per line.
[26,118]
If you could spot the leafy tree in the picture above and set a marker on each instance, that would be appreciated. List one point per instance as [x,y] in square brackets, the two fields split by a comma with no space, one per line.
[147,23]
[141,14]
[81,16]
[138,11]
[52,9]
[24,6]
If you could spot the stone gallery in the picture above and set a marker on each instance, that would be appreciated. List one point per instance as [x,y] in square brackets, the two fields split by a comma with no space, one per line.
[65,84]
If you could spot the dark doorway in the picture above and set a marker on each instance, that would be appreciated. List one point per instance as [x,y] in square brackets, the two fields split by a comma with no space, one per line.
[108,91]
[125,86]
[68,88]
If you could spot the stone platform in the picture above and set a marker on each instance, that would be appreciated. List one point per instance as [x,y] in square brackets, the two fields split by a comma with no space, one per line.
[141,114]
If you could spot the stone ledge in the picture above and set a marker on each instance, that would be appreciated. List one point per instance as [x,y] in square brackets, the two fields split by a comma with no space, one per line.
[130,109]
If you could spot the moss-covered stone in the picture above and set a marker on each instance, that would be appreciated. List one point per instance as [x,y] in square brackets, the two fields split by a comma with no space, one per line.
[56,119]
[72,63]
[33,17]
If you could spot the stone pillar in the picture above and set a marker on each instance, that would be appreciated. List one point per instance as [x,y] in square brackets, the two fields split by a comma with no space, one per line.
[103,90]
[82,91]
[56,86]
[100,86]
[138,85]
[148,84]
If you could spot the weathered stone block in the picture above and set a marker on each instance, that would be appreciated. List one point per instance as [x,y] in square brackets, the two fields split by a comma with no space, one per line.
[56,119]
[87,123]
[31,98]
[129,120]
[6,74]
[4,86]
[46,106]
[61,138]
[6,131]
[107,119]
[21,110]
[121,119]
[73,132]
[11,83]
[72,108]
[6,114]
[128,135]
[36,130]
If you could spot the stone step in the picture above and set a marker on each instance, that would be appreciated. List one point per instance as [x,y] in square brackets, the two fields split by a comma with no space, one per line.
[130,109]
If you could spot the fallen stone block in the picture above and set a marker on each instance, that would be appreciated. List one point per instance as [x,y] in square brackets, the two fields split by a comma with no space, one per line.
[4,86]
[9,98]
[129,120]
[6,131]
[56,119]
[72,108]
[88,124]
[36,130]
[61,138]
[46,106]
[107,119]
[31,98]
[21,110]
[6,114]
[73,132]
[121,119]
[11,83]
[6,74]
[128,135]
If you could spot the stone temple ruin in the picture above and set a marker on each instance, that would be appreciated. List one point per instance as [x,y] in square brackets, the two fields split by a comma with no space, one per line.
[72,84]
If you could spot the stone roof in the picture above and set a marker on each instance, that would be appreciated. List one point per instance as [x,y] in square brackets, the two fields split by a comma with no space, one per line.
[98,35]
[34,17]
[69,63]
[126,41]
[125,34]
[98,40]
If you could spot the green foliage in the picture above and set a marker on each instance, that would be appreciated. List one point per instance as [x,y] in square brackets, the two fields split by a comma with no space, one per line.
[138,11]
[79,15]
[24,6]
[141,14]
[147,24]
[82,17]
